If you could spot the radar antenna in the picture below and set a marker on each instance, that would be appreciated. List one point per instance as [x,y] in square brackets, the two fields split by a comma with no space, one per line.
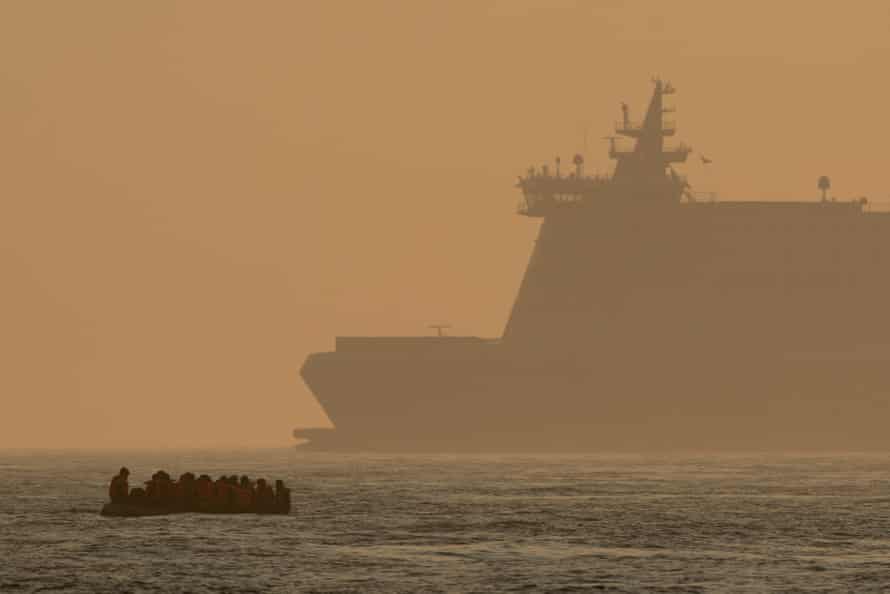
[440,328]
[824,185]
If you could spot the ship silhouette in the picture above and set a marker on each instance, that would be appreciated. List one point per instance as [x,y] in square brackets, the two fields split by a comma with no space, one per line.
[649,318]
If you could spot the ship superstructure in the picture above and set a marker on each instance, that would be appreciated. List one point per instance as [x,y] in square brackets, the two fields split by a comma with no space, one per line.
[647,318]
[642,173]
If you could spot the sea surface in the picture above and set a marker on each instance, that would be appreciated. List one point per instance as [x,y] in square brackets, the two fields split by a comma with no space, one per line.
[375,523]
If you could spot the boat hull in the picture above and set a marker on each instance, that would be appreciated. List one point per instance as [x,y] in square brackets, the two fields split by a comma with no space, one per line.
[506,402]
[129,510]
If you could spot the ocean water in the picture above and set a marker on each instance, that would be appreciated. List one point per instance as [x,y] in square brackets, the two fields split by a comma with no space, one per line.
[374,523]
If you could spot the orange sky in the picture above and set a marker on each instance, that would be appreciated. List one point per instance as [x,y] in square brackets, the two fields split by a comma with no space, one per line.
[197,194]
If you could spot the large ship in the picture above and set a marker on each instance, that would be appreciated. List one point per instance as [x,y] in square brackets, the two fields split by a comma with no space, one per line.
[649,318]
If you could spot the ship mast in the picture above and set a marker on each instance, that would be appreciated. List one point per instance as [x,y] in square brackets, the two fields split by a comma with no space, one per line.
[645,164]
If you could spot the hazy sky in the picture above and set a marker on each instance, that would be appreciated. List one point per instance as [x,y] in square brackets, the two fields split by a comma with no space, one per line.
[196,194]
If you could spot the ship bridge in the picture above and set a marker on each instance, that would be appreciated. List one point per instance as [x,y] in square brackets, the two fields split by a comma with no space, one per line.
[543,191]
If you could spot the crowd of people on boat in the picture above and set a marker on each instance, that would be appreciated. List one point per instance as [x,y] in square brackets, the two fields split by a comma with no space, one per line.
[226,494]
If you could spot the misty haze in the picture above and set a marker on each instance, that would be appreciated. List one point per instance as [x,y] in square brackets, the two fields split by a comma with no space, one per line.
[397,296]
[196,198]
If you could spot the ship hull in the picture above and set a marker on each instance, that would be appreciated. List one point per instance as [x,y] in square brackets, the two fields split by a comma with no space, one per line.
[513,403]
